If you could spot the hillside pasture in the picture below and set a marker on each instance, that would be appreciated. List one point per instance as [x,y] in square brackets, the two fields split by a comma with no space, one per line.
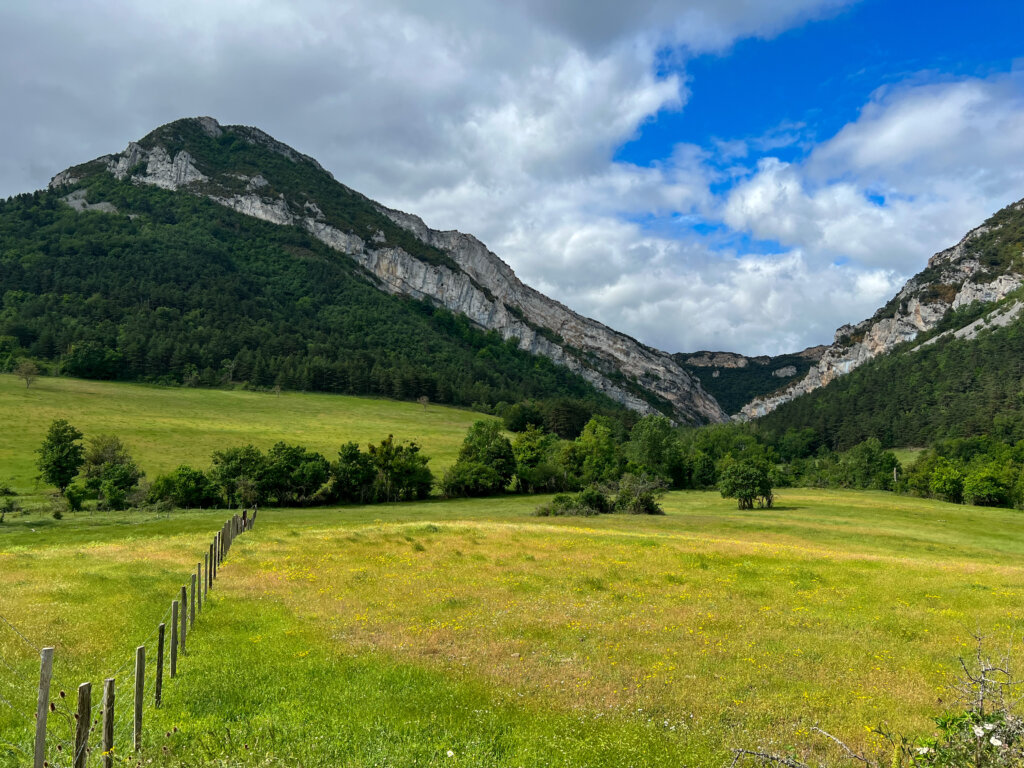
[167,426]
[397,634]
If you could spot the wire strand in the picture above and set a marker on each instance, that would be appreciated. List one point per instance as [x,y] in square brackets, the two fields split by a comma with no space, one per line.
[18,633]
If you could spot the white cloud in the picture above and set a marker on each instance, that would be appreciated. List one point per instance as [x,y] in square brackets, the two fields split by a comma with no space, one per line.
[502,118]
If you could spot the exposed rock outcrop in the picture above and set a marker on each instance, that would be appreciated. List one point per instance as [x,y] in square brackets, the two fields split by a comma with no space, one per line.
[473,281]
[954,278]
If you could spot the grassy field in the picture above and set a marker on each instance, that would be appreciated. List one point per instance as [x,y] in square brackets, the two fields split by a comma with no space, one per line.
[472,634]
[167,426]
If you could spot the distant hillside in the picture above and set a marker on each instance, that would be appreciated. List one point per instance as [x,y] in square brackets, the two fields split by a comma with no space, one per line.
[734,380]
[177,289]
[247,171]
[966,378]
[957,285]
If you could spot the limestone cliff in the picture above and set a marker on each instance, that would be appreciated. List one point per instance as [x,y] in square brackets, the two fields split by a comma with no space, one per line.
[985,266]
[451,269]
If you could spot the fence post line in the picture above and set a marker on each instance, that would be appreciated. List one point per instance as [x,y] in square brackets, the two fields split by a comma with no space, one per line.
[84,715]
[199,587]
[184,618]
[107,741]
[140,691]
[160,631]
[43,705]
[174,638]
[192,606]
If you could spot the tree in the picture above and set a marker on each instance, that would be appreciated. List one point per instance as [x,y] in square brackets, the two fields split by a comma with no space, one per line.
[486,444]
[400,471]
[654,448]
[602,460]
[60,455]
[352,475]
[947,481]
[184,487]
[748,481]
[109,471]
[27,370]
[237,469]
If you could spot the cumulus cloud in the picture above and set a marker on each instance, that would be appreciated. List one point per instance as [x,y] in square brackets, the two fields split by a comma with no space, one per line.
[501,118]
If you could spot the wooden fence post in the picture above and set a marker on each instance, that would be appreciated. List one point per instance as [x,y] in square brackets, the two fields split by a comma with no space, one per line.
[140,691]
[107,740]
[160,631]
[174,638]
[184,618]
[192,606]
[43,705]
[84,715]
[202,583]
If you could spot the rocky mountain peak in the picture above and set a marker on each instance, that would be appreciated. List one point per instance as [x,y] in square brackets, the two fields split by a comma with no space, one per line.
[249,171]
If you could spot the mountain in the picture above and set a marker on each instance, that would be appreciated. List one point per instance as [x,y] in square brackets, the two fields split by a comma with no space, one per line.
[734,380]
[239,167]
[274,285]
[957,287]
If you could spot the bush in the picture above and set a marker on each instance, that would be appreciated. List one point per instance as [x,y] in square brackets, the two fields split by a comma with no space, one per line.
[985,488]
[75,496]
[639,494]
[594,498]
[564,505]
[470,478]
[185,487]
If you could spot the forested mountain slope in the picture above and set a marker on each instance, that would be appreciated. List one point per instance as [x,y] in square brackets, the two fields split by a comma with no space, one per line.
[734,380]
[288,199]
[966,379]
[957,285]
[177,288]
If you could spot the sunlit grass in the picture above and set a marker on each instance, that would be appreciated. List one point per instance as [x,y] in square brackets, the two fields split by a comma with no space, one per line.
[393,634]
[167,426]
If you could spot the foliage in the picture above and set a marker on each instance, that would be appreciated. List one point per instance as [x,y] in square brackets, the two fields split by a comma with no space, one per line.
[237,473]
[60,455]
[178,289]
[352,476]
[109,472]
[400,471]
[638,495]
[28,371]
[185,487]
[952,388]
[747,481]
[735,387]
[471,478]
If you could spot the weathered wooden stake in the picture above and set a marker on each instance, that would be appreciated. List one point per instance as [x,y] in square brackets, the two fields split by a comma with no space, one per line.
[140,691]
[184,618]
[159,664]
[107,741]
[174,638]
[43,705]
[192,606]
[84,716]
[202,583]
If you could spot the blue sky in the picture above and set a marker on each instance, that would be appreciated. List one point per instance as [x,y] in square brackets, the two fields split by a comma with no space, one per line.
[702,174]
[818,75]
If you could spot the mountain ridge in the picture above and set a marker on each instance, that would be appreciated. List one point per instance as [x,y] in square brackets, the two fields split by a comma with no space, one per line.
[452,269]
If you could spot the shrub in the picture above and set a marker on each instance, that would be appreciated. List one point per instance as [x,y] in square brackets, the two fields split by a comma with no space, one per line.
[985,488]
[470,478]
[184,487]
[639,494]
[564,505]
[75,496]
[594,498]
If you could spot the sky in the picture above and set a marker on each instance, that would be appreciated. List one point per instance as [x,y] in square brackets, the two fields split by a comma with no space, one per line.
[736,175]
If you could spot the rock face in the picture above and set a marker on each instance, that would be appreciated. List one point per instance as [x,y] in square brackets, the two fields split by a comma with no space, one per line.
[784,372]
[954,278]
[471,281]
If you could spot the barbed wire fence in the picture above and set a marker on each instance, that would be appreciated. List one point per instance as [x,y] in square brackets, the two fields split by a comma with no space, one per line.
[103,726]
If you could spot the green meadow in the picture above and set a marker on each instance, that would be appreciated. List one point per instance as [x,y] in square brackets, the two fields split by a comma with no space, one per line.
[167,426]
[471,633]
